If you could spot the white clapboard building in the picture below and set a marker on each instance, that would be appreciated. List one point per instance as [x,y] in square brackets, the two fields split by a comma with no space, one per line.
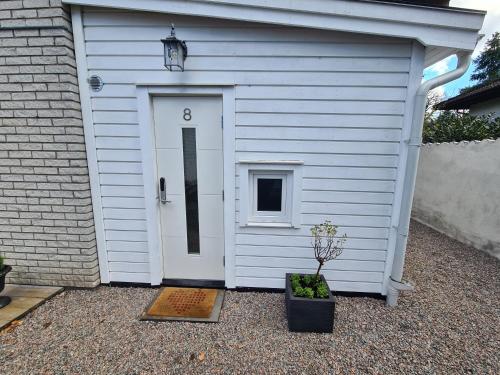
[287,113]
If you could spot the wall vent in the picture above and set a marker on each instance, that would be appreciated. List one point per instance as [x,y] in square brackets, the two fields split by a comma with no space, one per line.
[95,83]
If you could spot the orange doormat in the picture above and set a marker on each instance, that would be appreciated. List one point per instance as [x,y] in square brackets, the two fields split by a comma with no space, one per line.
[189,304]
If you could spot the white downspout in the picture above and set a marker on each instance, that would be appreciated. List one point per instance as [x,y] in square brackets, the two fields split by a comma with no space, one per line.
[414,142]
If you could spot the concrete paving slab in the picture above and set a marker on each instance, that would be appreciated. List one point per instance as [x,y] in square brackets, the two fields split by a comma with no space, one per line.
[25,298]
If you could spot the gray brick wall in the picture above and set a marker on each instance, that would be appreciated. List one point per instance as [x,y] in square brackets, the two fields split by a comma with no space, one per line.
[46,223]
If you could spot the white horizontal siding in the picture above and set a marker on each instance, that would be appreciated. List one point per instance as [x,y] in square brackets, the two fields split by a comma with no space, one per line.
[347,197]
[126,235]
[348,185]
[319,106]
[263,263]
[122,191]
[143,42]
[126,256]
[335,101]
[352,232]
[129,276]
[208,29]
[351,120]
[119,213]
[305,252]
[279,282]
[305,241]
[267,63]
[343,220]
[117,143]
[121,179]
[346,209]
[317,147]
[309,133]
[111,167]
[330,159]
[125,224]
[124,155]
[120,202]
[320,93]
[128,246]
[103,130]
[359,79]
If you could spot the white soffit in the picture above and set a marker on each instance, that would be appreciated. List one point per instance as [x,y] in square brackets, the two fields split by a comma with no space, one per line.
[435,54]
[437,27]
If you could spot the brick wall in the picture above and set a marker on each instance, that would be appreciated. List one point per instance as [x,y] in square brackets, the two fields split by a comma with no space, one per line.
[46,222]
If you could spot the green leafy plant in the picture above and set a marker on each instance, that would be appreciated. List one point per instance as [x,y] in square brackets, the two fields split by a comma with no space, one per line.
[308,280]
[326,247]
[308,286]
[453,126]
[305,292]
[322,291]
[1,262]
[295,279]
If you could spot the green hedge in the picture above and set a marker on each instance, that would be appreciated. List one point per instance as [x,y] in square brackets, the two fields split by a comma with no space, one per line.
[452,126]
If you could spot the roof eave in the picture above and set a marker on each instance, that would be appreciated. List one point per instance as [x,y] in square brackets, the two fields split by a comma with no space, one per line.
[437,27]
[464,101]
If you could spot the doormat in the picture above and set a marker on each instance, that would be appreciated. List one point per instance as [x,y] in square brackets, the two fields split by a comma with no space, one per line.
[185,304]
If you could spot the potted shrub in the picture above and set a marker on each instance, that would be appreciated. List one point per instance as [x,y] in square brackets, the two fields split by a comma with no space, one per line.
[4,270]
[310,305]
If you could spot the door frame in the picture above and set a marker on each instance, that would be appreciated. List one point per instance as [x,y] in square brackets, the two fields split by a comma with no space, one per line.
[145,94]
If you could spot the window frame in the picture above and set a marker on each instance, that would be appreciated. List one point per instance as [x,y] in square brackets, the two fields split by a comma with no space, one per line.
[290,172]
[282,216]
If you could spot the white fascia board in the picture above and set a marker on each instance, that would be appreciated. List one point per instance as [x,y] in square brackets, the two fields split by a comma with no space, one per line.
[439,27]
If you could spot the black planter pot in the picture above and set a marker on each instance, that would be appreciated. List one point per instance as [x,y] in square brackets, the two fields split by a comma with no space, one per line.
[4,300]
[309,315]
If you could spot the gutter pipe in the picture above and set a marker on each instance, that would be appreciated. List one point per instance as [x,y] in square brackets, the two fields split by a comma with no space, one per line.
[414,142]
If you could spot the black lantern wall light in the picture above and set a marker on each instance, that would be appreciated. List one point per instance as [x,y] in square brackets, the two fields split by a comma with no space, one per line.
[174,52]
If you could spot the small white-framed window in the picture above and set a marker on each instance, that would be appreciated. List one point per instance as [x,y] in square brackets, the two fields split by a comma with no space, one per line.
[270,193]
[270,196]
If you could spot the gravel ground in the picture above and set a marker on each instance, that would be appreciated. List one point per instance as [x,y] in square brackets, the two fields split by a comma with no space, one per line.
[450,325]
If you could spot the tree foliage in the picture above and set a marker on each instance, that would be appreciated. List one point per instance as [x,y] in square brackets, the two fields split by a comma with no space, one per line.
[453,126]
[487,64]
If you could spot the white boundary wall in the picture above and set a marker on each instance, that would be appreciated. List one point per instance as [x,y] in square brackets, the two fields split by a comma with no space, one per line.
[458,192]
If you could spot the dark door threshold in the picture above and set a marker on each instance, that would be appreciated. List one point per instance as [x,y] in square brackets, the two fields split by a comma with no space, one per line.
[217,284]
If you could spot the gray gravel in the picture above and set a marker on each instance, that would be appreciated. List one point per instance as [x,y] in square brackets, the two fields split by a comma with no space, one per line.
[450,325]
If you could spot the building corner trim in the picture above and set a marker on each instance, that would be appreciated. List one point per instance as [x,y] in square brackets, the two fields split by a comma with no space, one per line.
[81,63]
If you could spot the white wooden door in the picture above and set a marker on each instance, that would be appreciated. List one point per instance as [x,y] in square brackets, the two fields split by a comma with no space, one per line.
[188,139]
